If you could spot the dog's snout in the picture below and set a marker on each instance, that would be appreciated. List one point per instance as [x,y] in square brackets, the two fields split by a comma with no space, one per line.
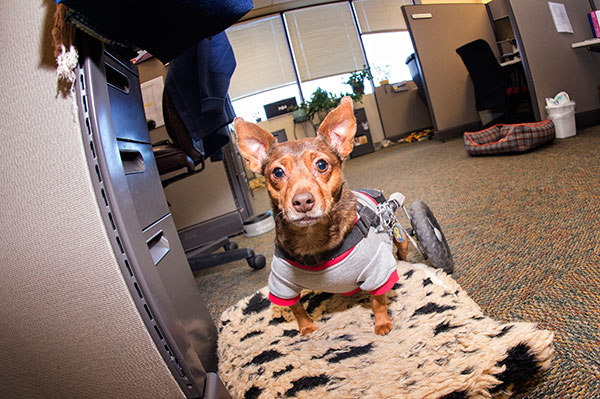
[303,202]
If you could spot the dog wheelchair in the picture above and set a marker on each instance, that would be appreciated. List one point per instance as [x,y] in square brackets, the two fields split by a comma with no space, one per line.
[425,233]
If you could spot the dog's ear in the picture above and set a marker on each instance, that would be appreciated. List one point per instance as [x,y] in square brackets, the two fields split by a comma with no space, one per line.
[254,143]
[339,128]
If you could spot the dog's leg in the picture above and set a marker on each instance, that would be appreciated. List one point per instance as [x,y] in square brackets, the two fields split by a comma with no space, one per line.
[305,324]
[401,249]
[383,324]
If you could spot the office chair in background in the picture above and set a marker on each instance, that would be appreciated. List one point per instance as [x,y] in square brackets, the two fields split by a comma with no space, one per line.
[181,152]
[496,100]
[182,155]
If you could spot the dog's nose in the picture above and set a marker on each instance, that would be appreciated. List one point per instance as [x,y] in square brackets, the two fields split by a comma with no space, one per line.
[303,202]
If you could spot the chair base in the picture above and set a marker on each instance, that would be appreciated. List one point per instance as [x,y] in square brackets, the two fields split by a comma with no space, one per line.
[203,257]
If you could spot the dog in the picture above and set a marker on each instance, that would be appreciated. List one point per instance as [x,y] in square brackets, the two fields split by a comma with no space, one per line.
[316,217]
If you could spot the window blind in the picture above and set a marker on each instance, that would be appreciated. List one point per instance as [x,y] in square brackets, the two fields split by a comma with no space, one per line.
[324,41]
[380,15]
[262,56]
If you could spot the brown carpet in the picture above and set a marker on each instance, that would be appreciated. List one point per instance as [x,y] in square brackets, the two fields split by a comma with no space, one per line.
[523,230]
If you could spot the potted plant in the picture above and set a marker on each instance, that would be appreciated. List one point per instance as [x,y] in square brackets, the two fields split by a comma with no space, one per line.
[320,103]
[357,80]
[299,112]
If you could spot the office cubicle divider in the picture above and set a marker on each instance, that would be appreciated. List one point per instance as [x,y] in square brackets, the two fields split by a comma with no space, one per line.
[73,324]
[449,90]
[550,63]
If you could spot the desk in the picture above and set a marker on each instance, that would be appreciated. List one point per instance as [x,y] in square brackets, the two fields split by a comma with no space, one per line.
[511,62]
[589,44]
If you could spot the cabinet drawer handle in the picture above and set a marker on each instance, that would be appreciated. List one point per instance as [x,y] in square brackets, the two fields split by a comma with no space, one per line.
[133,161]
[116,79]
[158,246]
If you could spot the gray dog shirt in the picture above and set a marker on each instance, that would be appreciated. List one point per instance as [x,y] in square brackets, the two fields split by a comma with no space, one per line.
[370,266]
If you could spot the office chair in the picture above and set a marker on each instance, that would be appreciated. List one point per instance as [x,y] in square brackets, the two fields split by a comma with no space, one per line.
[180,154]
[490,82]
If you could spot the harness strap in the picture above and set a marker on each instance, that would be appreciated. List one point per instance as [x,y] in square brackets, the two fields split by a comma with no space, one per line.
[366,219]
[375,194]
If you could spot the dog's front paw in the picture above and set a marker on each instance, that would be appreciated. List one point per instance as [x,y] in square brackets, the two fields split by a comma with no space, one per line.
[383,328]
[308,329]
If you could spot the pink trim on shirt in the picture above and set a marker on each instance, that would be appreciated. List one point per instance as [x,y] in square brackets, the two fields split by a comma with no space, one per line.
[387,286]
[393,279]
[323,265]
[283,302]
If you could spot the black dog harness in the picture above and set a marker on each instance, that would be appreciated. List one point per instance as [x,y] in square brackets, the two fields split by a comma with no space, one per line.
[366,218]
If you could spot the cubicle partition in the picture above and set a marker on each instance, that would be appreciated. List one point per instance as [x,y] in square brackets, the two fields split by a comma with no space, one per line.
[437,30]
[551,64]
[98,300]
[402,112]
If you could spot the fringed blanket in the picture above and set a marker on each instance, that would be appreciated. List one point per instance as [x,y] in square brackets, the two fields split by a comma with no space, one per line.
[441,346]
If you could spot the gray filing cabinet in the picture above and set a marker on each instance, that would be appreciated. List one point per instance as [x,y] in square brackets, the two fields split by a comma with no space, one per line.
[138,221]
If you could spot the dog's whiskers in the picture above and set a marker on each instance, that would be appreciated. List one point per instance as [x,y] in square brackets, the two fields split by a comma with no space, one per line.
[280,215]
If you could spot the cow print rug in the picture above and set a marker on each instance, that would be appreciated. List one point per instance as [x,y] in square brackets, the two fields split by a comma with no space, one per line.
[441,346]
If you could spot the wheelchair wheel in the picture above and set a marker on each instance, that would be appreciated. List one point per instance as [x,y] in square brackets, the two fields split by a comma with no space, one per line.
[430,237]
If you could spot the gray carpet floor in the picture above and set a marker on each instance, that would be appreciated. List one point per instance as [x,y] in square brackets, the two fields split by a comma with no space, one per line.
[523,229]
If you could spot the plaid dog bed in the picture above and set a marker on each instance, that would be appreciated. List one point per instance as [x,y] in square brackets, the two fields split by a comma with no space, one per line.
[501,138]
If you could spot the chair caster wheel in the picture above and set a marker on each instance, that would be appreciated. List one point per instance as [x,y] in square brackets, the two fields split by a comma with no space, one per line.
[230,246]
[256,261]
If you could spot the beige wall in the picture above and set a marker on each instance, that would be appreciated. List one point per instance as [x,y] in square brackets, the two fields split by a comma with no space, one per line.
[402,112]
[370,106]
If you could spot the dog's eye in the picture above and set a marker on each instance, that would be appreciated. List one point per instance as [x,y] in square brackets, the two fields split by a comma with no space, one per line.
[322,165]
[278,172]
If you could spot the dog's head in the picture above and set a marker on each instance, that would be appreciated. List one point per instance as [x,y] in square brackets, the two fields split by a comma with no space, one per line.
[303,177]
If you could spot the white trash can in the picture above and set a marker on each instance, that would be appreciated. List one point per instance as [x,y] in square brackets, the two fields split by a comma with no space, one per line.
[563,116]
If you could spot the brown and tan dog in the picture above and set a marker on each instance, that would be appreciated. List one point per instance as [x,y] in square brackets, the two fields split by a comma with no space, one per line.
[313,206]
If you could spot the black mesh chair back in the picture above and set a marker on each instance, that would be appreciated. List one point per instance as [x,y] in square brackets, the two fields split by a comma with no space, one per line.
[486,73]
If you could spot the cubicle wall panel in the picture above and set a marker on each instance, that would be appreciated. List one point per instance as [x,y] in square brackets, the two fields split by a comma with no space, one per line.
[201,197]
[435,39]
[402,112]
[551,64]
[69,326]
